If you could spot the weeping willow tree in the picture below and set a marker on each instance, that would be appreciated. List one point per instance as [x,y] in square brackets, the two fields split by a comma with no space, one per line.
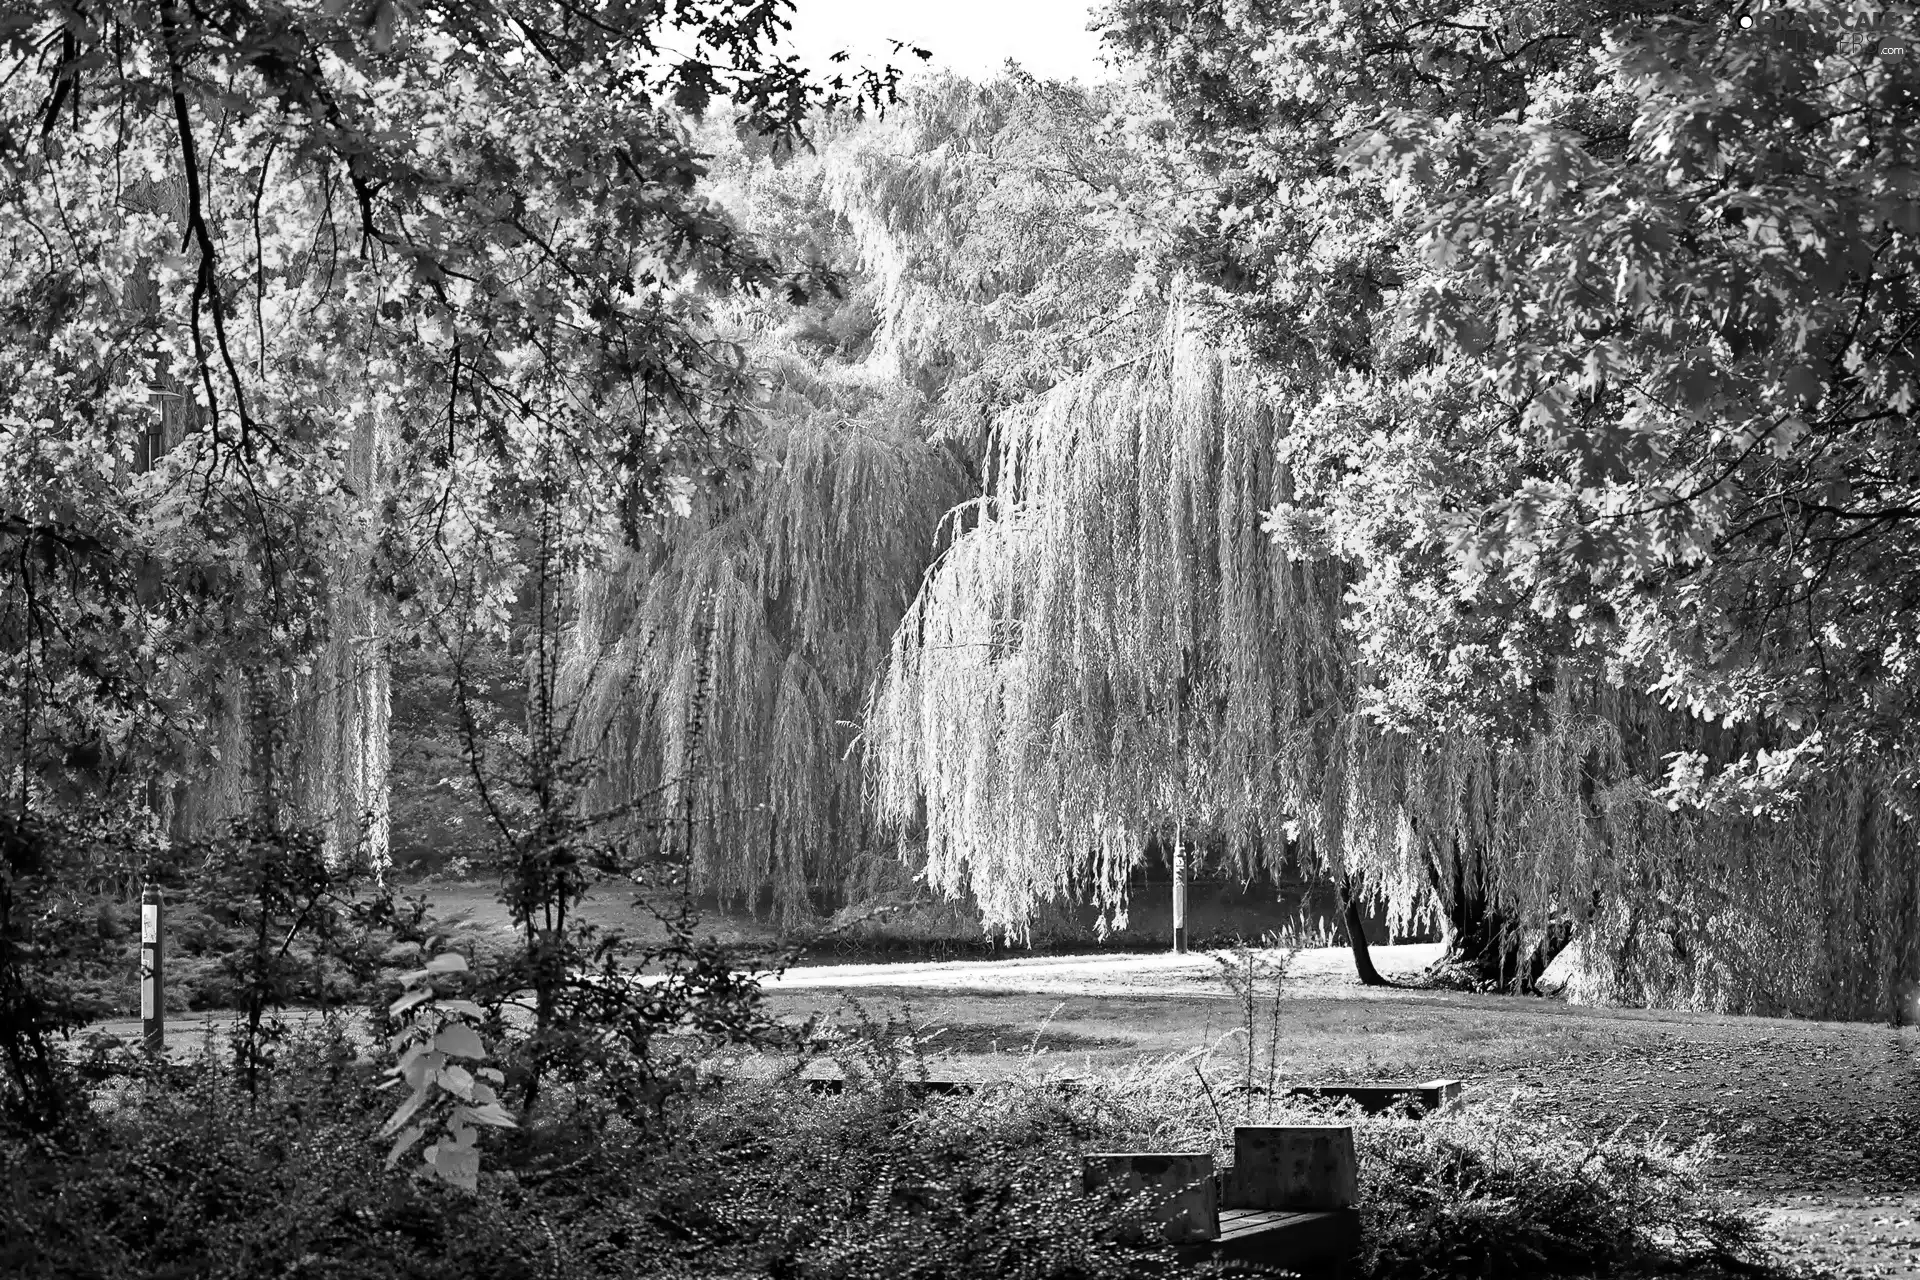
[301,738]
[719,667]
[1811,908]
[1114,653]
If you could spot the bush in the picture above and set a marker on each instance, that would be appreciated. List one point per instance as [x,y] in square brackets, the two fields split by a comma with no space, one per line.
[878,1184]
[1481,1193]
[187,1176]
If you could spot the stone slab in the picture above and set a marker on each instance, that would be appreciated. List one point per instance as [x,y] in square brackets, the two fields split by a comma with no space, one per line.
[1299,1167]
[1376,1098]
[1180,1184]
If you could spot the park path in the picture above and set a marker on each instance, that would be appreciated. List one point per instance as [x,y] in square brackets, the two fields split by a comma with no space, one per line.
[1318,970]
[1195,975]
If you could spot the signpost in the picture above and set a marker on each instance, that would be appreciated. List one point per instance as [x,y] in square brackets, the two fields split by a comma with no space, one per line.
[1179,894]
[153,1007]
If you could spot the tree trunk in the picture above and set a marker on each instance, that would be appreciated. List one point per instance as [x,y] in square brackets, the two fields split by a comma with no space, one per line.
[1487,943]
[1357,937]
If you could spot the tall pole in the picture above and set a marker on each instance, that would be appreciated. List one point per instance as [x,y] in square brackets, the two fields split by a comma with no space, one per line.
[1179,844]
[153,1006]
[1179,893]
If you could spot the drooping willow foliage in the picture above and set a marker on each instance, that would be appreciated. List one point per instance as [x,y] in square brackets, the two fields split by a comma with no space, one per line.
[1114,649]
[1813,909]
[220,651]
[1115,653]
[718,670]
[344,699]
[306,741]
[721,669]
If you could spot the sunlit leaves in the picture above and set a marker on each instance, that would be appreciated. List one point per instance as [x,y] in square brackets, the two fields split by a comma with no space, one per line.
[443,1094]
[1667,266]
[317,300]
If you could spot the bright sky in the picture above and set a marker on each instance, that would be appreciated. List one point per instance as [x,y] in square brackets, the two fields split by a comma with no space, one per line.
[973,37]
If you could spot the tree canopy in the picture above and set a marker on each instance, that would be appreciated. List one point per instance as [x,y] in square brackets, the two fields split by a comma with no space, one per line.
[1466,451]
[1591,329]
[307,308]
[1620,301]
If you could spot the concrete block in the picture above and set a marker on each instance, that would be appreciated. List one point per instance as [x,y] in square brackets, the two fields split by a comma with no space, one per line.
[1374,1099]
[1300,1167]
[1180,1183]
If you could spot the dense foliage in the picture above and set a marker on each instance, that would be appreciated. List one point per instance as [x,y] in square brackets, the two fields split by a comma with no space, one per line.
[1585,335]
[719,664]
[1461,452]
[329,333]
[1612,310]
[191,1175]
[306,308]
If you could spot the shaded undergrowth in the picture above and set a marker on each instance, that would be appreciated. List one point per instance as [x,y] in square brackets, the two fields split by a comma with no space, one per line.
[179,1172]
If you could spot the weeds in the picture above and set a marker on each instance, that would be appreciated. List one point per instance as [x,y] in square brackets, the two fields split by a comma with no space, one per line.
[188,1176]
[1246,972]
[1486,1194]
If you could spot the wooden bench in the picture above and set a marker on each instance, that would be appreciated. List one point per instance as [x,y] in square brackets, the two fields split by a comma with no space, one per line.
[1376,1099]
[1318,1244]
[1288,1199]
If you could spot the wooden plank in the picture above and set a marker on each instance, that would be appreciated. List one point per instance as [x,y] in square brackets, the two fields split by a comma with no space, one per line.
[1381,1096]
[1235,1223]
[1316,1246]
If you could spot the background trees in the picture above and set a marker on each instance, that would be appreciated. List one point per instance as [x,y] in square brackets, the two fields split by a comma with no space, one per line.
[726,664]
[327,334]
[1467,450]
[1592,329]
[307,308]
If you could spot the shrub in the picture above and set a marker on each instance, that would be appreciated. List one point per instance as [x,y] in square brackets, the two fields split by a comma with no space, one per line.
[877,1184]
[59,947]
[189,1176]
[1481,1193]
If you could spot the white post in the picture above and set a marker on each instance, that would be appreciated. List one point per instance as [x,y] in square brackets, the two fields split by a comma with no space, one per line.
[1179,894]
[153,1007]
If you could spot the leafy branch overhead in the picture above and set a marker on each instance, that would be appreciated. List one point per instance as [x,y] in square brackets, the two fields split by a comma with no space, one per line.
[305,305]
[1619,310]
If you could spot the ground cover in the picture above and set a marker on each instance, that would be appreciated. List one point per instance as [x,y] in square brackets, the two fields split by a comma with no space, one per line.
[1817,1124]
[183,1173]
